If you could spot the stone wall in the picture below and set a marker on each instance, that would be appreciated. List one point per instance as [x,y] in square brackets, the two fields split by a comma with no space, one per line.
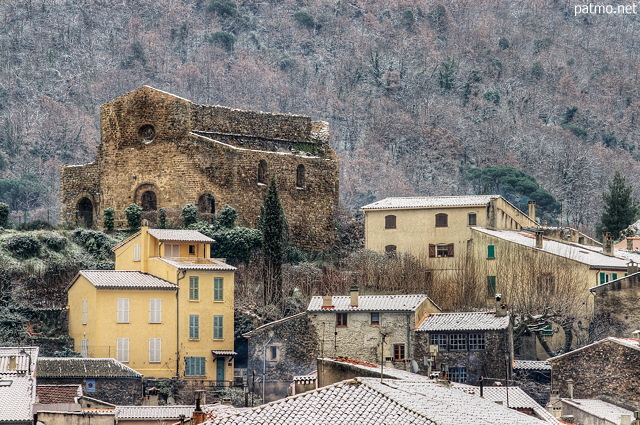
[605,370]
[616,310]
[148,143]
[493,362]
[119,391]
[297,348]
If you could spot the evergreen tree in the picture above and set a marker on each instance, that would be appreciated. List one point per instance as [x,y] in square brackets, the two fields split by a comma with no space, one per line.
[619,209]
[273,224]
[134,216]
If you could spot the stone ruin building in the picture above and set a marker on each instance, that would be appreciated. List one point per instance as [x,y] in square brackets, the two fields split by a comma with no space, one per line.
[162,151]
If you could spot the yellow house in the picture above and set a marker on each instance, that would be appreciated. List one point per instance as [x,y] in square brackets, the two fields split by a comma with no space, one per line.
[166,310]
[437,227]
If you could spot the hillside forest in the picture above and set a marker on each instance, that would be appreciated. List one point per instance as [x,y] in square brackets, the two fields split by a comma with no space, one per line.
[418,93]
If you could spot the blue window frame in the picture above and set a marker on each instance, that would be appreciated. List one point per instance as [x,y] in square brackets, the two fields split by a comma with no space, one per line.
[195,366]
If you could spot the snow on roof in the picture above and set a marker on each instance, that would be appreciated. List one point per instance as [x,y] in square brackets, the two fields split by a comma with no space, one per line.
[370,303]
[627,342]
[588,255]
[431,202]
[178,235]
[154,412]
[271,324]
[25,358]
[517,399]
[80,367]
[17,395]
[599,408]
[198,263]
[531,365]
[465,321]
[115,279]
[367,401]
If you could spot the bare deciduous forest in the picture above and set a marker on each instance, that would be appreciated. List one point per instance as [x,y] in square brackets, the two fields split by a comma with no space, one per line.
[416,92]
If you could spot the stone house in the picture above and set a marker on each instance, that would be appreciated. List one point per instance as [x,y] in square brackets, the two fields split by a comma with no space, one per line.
[17,384]
[465,346]
[607,370]
[103,379]
[138,314]
[615,309]
[162,151]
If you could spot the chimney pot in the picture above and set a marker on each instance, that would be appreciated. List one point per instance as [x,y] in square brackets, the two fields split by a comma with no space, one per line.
[630,244]
[570,388]
[327,301]
[607,247]
[532,210]
[539,239]
[625,419]
[354,292]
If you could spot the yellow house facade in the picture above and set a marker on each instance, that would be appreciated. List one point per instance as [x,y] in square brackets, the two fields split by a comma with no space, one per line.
[166,310]
[437,227]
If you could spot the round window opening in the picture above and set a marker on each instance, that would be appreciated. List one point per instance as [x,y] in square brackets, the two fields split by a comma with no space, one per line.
[147,133]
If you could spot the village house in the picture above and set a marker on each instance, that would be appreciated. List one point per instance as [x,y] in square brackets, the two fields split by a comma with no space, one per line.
[465,346]
[604,370]
[17,384]
[615,309]
[163,151]
[137,314]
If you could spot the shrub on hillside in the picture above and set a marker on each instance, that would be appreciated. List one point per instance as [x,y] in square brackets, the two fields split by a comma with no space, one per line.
[190,215]
[305,19]
[134,216]
[36,225]
[23,246]
[95,242]
[223,39]
[54,242]
[109,219]
[4,214]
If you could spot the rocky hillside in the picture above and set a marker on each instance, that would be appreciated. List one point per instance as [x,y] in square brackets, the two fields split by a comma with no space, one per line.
[417,92]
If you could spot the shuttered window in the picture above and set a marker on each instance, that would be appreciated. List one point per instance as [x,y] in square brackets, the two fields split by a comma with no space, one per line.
[195,366]
[194,326]
[84,312]
[84,348]
[194,288]
[442,220]
[155,347]
[491,251]
[172,250]
[155,310]
[218,289]
[491,286]
[123,310]
[122,350]
[218,327]
[136,252]
[390,222]
[441,250]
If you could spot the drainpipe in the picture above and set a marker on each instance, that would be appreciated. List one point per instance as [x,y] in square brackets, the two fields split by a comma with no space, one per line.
[178,279]
[408,355]
[264,367]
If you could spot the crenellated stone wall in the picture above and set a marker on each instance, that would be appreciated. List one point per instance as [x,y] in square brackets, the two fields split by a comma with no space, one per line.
[155,141]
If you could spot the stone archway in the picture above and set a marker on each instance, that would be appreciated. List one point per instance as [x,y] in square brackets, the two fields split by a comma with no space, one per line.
[84,209]
[149,201]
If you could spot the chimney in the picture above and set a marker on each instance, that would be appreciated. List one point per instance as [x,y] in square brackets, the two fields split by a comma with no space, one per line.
[539,239]
[607,245]
[632,267]
[532,210]
[501,307]
[12,363]
[492,213]
[570,388]
[635,335]
[554,407]
[198,415]
[354,292]
[327,301]
[625,419]
[630,244]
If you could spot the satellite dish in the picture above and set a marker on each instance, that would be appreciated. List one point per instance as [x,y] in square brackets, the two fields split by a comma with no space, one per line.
[414,366]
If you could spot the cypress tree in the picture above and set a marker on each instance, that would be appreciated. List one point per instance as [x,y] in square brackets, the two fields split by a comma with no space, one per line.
[619,209]
[273,224]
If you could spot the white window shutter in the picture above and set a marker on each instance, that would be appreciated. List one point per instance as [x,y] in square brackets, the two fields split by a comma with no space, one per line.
[155,310]
[122,350]
[136,252]
[155,347]
[84,312]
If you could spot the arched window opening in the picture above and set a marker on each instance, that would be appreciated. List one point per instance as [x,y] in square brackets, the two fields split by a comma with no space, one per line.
[262,172]
[442,220]
[207,204]
[390,222]
[85,212]
[390,249]
[149,201]
[300,176]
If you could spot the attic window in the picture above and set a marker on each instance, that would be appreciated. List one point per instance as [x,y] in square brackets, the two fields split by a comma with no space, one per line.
[146,133]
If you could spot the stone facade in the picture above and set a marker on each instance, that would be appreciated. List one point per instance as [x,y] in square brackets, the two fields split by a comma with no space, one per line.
[606,370]
[122,391]
[163,151]
[615,307]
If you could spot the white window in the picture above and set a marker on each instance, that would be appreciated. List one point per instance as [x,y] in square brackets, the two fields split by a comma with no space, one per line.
[155,350]
[84,348]
[123,310]
[136,252]
[84,312]
[172,250]
[122,350]
[155,310]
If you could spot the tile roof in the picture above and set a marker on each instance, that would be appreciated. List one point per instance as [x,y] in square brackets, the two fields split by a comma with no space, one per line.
[531,365]
[588,255]
[116,279]
[51,394]
[78,367]
[517,399]
[17,395]
[198,263]
[25,358]
[367,401]
[599,408]
[430,202]
[270,324]
[154,412]
[370,368]
[627,342]
[370,303]
[466,321]
[177,235]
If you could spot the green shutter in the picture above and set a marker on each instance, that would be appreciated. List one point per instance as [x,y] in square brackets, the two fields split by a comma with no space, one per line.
[614,276]
[491,251]
[217,327]
[194,326]
[602,278]
[218,289]
[194,290]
